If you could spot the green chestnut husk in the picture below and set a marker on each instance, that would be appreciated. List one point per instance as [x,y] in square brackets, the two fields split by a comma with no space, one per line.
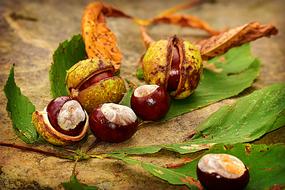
[50,134]
[157,64]
[110,89]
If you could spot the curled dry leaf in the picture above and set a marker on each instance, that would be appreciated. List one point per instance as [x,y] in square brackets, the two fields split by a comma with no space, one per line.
[185,21]
[169,17]
[221,43]
[99,40]
[179,7]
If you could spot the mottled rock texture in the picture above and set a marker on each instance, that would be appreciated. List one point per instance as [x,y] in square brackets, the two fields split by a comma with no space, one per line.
[30,31]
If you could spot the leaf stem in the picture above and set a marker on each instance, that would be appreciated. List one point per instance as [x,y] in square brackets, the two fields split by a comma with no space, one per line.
[39,151]
[74,167]
[100,156]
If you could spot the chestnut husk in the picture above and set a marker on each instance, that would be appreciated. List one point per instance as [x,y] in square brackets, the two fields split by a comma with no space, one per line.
[157,60]
[50,134]
[53,109]
[111,89]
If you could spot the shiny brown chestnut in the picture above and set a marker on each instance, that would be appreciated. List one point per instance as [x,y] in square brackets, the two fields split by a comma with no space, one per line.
[222,171]
[113,122]
[58,114]
[174,74]
[96,78]
[62,122]
[150,102]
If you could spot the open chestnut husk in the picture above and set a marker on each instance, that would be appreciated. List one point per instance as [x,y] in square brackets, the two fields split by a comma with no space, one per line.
[113,122]
[62,122]
[174,64]
[222,171]
[93,82]
[150,102]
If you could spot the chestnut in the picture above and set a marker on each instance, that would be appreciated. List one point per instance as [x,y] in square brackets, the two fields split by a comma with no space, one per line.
[150,102]
[175,64]
[94,82]
[174,73]
[222,171]
[95,79]
[62,122]
[112,122]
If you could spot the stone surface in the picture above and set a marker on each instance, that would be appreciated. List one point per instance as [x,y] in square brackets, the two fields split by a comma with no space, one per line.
[31,30]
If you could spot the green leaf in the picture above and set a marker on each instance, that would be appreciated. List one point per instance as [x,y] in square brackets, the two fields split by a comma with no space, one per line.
[140,150]
[238,73]
[239,70]
[74,184]
[248,119]
[168,175]
[20,110]
[66,55]
[244,121]
[126,100]
[140,73]
[265,163]
[240,55]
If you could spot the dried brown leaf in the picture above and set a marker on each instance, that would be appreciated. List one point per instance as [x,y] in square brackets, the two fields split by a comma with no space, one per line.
[212,67]
[185,21]
[182,162]
[179,7]
[168,16]
[99,40]
[221,43]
